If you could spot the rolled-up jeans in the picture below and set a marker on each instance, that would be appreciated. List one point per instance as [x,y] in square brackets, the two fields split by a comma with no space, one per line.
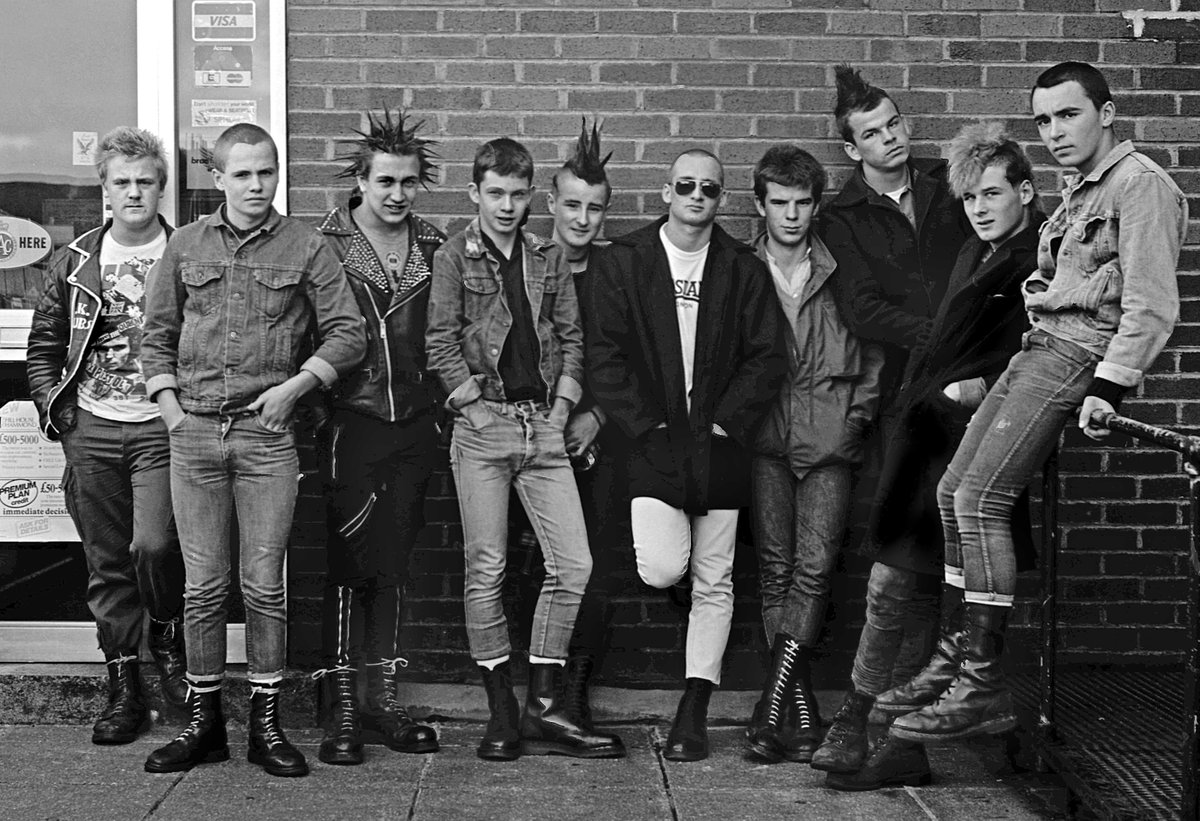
[899,630]
[799,524]
[1008,439]
[219,464]
[517,446]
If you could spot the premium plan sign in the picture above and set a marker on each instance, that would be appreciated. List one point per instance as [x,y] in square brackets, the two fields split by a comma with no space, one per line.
[32,508]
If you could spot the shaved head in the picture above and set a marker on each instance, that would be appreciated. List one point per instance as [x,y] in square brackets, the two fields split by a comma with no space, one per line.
[700,152]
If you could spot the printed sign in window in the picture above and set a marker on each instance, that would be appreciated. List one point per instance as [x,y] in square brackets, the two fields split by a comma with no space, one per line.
[223,66]
[223,113]
[222,21]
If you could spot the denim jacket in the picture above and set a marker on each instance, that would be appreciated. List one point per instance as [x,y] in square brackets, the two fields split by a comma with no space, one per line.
[227,318]
[469,319]
[1106,264]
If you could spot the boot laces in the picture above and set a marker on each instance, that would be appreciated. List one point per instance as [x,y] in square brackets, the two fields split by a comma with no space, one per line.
[269,722]
[775,704]
[324,671]
[389,665]
[803,710]
[193,727]
[386,699]
[347,719]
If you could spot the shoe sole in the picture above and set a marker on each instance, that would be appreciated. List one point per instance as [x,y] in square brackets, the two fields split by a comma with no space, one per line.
[423,747]
[993,727]
[213,757]
[278,772]
[112,740]
[684,758]
[914,780]
[341,759]
[548,748]
[498,755]
[762,752]
[839,769]
[798,758]
[902,709]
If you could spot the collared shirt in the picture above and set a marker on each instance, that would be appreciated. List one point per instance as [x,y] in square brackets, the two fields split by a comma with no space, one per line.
[903,197]
[518,358]
[227,317]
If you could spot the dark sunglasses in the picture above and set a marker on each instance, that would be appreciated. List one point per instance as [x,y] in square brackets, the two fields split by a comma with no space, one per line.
[712,190]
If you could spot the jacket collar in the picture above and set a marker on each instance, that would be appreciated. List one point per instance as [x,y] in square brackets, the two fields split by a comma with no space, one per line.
[1119,152]
[821,261]
[87,245]
[923,178]
[340,223]
[647,236]
[476,249]
[217,220]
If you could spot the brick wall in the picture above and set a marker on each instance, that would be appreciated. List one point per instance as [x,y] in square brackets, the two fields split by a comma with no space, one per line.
[736,76]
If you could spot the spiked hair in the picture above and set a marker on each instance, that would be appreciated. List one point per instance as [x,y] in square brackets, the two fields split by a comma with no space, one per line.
[387,136]
[133,144]
[854,94]
[977,148]
[586,163]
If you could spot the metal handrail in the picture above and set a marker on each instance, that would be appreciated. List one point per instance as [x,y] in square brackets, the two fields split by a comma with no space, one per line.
[1189,447]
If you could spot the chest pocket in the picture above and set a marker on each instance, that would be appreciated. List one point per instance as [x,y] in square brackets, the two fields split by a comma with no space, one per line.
[480,294]
[277,288]
[203,283]
[1096,238]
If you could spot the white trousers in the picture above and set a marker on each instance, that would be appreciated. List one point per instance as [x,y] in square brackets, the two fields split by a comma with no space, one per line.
[668,543]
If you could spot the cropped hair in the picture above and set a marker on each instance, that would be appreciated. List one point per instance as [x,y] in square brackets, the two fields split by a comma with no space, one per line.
[387,136]
[700,152]
[978,147]
[504,157]
[1088,76]
[586,163]
[133,144]
[854,94]
[240,133]
[792,167]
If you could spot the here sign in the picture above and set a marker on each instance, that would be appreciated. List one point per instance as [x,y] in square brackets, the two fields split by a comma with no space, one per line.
[22,242]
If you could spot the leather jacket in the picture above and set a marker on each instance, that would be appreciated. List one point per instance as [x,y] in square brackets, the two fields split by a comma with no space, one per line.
[64,323]
[392,383]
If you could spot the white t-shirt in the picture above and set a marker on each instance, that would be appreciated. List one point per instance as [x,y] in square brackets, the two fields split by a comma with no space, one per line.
[113,386]
[687,271]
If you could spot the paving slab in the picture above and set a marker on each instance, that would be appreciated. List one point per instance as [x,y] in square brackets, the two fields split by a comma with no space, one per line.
[810,804]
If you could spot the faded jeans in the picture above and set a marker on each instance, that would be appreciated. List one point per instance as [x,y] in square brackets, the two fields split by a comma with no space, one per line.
[900,628]
[118,492]
[799,525]
[219,464]
[517,446]
[1008,439]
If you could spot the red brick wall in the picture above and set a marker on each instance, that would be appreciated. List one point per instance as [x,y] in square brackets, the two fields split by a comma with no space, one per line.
[736,76]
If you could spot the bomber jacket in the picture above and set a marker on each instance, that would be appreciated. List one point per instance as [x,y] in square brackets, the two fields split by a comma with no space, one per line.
[392,383]
[831,394]
[1106,266]
[891,277]
[227,318]
[64,324]
[469,319]
[635,361]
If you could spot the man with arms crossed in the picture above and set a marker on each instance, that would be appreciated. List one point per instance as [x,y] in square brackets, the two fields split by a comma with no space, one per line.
[85,377]
[226,320]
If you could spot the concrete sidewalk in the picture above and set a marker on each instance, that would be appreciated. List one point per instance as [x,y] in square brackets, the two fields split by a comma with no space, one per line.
[54,772]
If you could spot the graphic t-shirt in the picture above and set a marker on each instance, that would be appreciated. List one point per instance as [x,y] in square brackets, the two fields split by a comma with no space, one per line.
[113,386]
[687,271]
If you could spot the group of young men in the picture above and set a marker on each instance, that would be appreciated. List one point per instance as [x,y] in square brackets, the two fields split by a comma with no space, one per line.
[928,319]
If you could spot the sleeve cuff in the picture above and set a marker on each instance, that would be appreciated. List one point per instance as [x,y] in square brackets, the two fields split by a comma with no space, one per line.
[569,388]
[1118,374]
[162,382]
[1110,392]
[464,394]
[321,369]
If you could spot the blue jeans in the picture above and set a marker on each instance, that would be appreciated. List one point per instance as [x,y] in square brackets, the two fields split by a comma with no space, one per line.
[219,464]
[798,529]
[900,628]
[1008,439]
[118,492]
[516,446]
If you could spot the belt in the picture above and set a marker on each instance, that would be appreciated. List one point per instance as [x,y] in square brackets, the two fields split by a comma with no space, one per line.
[524,406]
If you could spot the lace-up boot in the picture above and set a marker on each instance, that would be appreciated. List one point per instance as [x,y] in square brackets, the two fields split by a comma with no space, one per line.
[269,747]
[203,741]
[125,715]
[845,747]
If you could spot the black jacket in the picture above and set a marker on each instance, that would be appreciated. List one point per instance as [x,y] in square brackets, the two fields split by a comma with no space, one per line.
[635,366]
[392,383]
[891,278]
[63,327]
[976,332]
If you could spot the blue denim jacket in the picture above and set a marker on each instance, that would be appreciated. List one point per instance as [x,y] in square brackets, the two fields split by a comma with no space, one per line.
[228,318]
[469,319]
[1106,264]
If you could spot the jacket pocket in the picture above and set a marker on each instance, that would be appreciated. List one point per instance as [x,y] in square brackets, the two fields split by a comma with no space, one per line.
[203,283]
[480,295]
[1096,237]
[279,283]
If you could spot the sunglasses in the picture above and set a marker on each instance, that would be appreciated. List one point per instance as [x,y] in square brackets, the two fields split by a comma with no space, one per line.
[712,190]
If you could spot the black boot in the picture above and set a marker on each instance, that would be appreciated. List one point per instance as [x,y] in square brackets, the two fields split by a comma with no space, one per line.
[384,716]
[546,729]
[802,723]
[845,747]
[125,715]
[342,743]
[166,645]
[688,739]
[203,741]
[502,739]
[979,701]
[924,688]
[269,747]
[894,763]
[575,698]
[764,735]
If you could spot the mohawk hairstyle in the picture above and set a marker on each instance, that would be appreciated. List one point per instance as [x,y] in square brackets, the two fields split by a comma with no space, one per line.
[980,146]
[585,163]
[854,94]
[385,136]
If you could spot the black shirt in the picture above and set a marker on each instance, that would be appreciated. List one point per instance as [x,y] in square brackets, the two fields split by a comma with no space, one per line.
[518,364]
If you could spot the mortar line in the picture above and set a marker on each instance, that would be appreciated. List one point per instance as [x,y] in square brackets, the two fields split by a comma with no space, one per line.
[416,795]
[916,797]
[154,807]
[662,769]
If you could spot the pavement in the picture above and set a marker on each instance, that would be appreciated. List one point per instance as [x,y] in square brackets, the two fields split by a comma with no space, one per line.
[53,771]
